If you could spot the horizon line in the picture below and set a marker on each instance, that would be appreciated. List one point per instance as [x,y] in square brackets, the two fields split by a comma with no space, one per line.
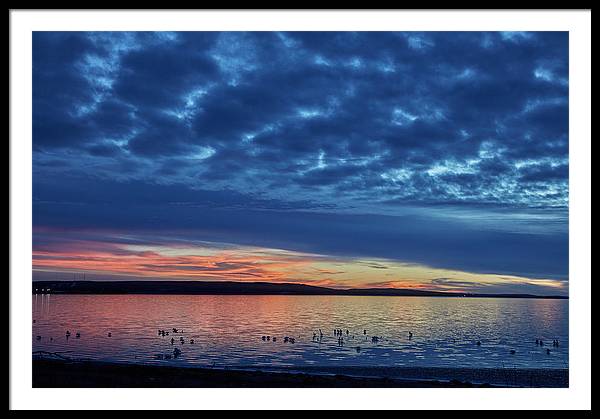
[373,291]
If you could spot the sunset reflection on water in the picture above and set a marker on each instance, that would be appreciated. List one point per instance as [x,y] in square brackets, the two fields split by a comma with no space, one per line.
[228,330]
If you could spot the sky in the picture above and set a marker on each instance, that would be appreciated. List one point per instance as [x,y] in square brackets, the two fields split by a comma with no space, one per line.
[430,160]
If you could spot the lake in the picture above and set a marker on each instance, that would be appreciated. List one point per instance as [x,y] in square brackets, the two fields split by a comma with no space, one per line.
[228,330]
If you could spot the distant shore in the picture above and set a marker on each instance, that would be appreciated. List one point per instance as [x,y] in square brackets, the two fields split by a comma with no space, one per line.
[241,288]
[53,373]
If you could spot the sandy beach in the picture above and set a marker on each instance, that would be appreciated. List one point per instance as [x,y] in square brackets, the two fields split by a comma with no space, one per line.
[61,373]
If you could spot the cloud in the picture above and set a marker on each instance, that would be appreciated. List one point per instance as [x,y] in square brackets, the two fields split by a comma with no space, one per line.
[303,133]
[302,226]
[58,253]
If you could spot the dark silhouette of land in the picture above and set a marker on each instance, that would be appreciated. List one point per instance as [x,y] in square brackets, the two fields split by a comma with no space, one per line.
[240,288]
[81,374]
[87,373]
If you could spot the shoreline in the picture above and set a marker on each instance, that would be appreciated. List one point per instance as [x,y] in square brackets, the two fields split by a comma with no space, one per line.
[162,287]
[54,373]
[487,296]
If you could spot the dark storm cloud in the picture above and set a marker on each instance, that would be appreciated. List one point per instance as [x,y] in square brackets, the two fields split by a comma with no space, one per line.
[159,76]
[325,122]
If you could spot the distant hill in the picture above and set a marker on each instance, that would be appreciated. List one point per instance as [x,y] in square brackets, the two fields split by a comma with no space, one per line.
[238,288]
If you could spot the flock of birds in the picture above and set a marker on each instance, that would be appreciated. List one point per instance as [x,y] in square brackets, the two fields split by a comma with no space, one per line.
[181,338]
[176,351]
[540,342]
[343,337]
[67,335]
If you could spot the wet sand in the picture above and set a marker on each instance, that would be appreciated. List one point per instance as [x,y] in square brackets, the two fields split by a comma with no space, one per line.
[76,374]
[498,377]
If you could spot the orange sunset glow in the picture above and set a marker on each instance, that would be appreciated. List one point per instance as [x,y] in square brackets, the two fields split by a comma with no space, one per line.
[219,262]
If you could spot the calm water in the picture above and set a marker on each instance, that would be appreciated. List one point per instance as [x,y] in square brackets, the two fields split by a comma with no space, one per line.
[227,330]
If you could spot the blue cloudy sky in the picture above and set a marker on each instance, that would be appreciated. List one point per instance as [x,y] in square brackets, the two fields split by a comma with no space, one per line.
[436,160]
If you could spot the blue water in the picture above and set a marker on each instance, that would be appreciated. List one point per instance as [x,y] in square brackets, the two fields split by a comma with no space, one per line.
[228,330]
